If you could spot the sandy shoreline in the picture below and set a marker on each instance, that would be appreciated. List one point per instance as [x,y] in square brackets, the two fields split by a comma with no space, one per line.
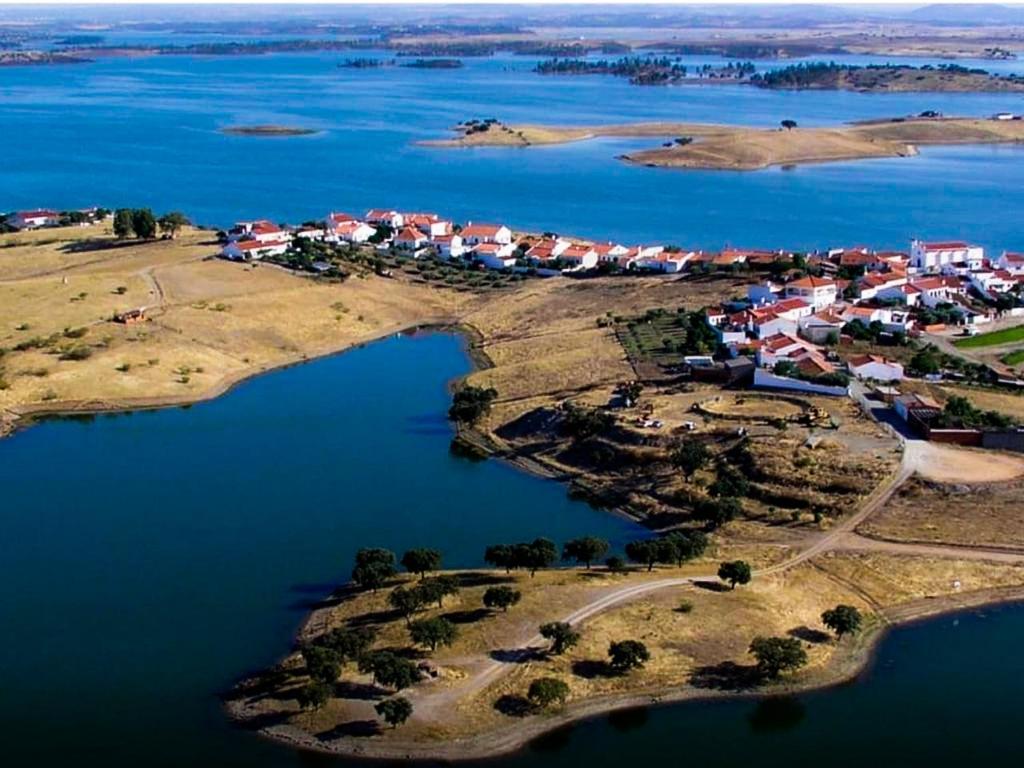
[859,654]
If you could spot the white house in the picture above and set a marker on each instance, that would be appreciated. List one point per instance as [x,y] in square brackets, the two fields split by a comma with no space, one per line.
[495,255]
[932,257]
[764,293]
[610,252]
[786,347]
[411,239]
[869,286]
[448,246]
[429,224]
[547,250]
[937,290]
[351,231]
[252,250]
[388,218]
[579,257]
[822,326]
[1011,262]
[262,230]
[819,292]
[41,217]
[669,262]
[992,280]
[474,234]
[875,367]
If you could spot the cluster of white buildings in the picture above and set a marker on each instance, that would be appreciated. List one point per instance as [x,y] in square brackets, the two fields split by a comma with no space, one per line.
[38,218]
[791,320]
[493,246]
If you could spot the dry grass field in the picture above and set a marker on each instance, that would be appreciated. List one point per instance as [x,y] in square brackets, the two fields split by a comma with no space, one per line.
[209,322]
[990,514]
[742,148]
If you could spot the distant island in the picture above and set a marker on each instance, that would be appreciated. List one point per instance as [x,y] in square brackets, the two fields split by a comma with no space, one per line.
[372,63]
[729,147]
[887,77]
[668,70]
[267,130]
[26,58]
[648,70]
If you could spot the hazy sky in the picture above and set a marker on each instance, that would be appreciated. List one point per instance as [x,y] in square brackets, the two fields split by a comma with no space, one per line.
[903,3]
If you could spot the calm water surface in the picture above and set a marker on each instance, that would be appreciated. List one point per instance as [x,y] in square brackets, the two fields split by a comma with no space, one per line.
[149,560]
[180,549]
[145,131]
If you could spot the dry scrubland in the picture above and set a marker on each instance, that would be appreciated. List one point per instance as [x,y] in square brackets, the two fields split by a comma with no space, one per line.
[210,322]
[742,148]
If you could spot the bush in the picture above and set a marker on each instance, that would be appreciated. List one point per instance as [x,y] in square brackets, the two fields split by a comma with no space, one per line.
[547,691]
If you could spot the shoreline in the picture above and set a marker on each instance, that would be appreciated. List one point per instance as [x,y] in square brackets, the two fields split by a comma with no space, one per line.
[18,418]
[860,654]
[713,146]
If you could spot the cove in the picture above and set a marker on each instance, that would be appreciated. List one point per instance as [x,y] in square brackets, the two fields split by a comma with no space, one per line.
[149,560]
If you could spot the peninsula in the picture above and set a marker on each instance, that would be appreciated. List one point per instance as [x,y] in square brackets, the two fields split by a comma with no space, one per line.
[725,147]
[788,527]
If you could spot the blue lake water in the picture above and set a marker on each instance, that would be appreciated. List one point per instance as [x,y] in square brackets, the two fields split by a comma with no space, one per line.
[145,132]
[149,560]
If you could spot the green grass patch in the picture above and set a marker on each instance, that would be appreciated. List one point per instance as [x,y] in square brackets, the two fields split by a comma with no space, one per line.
[1005,336]
[1014,358]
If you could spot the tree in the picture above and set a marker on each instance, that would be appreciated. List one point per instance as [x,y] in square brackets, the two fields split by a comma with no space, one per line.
[539,553]
[718,512]
[681,546]
[348,644]
[729,482]
[437,589]
[615,564]
[562,636]
[322,664]
[546,691]
[144,223]
[172,222]
[389,669]
[735,572]
[628,654]
[776,655]
[502,597]
[582,423]
[789,125]
[421,561]
[373,568]
[585,550]
[314,694]
[500,556]
[645,551]
[843,620]
[689,457]
[433,632]
[123,223]
[406,601]
[394,711]
[470,404]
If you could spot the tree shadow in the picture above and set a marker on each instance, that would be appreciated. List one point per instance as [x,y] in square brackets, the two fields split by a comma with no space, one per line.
[263,720]
[590,669]
[353,728]
[513,706]
[374,617]
[474,579]
[467,617]
[86,246]
[712,586]
[809,635]
[518,655]
[725,676]
[349,689]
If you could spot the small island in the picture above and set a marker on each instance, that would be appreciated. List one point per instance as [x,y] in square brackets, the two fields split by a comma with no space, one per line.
[885,78]
[710,146]
[267,130]
[27,58]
